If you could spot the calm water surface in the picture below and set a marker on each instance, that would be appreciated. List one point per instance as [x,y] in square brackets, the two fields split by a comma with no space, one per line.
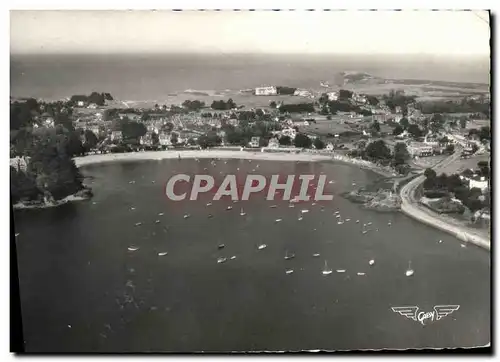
[82,290]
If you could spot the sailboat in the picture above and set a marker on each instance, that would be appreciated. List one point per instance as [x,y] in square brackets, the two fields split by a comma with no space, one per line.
[300,217]
[326,270]
[364,229]
[410,271]
[242,213]
[289,256]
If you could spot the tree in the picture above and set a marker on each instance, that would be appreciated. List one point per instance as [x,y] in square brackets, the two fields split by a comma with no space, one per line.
[345,94]
[155,138]
[272,104]
[414,131]
[329,117]
[401,153]
[132,131]
[318,144]
[485,133]
[484,168]
[378,150]
[168,127]
[375,127]
[302,141]
[174,138]
[430,173]
[404,123]
[450,148]
[397,130]
[193,105]
[90,139]
[323,99]
[285,141]
[191,141]
[463,122]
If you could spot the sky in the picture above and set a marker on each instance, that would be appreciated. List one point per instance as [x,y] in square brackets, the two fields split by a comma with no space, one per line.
[302,32]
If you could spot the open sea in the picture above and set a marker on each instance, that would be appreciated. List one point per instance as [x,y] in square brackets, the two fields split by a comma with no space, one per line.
[155,77]
[82,290]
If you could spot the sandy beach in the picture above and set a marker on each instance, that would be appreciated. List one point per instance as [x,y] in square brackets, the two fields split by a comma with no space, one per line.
[160,155]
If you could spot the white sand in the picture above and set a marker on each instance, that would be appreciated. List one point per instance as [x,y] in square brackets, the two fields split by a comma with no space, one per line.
[160,155]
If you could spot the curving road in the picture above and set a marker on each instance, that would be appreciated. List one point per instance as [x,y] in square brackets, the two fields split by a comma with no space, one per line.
[410,206]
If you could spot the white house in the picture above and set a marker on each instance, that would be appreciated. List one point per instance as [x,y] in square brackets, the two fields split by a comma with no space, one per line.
[266,91]
[333,96]
[329,146]
[255,142]
[116,136]
[273,143]
[302,93]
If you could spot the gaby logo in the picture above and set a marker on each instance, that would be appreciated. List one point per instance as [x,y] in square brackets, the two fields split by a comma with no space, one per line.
[439,312]
[292,187]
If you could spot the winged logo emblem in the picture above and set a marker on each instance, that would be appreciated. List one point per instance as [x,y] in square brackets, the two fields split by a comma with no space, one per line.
[439,312]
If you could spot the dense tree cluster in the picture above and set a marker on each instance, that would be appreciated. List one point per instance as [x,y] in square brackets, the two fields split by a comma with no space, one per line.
[297,108]
[465,106]
[223,106]
[285,90]
[398,99]
[95,97]
[193,105]
[444,185]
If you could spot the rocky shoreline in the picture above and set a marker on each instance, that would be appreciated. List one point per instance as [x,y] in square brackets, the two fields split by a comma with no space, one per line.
[381,200]
[48,201]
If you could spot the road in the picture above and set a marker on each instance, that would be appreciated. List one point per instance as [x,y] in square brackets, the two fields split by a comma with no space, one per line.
[411,207]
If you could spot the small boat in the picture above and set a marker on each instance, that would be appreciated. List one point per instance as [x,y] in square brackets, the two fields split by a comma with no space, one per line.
[410,271]
[300,217]
[163,253]
[337,212]
[186,216]
[389,223]
[153,181]
[210,216]
[229,208]
[361,274]
[331,182]
[133,248]
[354,183]
[304,211]
[357,221]
[340,270]
[278,220]
[371,262]
[340,222]
[262,246]
[316,255]
[131,182]
[209,204]
[160,214]
[289,256]
[291,205]
[242,213]
[346,220]
[326,270]
[273,206]
[338,216]
[138,223]
[157,221]
[221,246]
[221,260]
[289,271]
[313,204]
[463,245]
[369,223]
[440,241]
[233,257]
[132,208]
[235,201]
